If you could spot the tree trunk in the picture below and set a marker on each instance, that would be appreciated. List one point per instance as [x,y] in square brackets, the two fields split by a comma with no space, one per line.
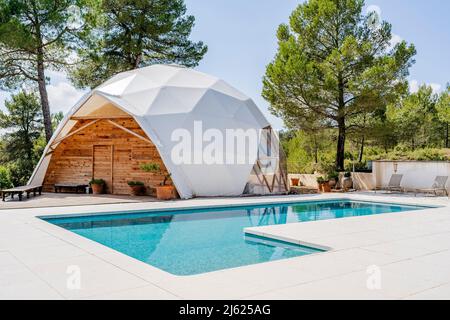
[447,145]
[340,150]
[41,75]
[137,61]
[361,150]
[316,150]
[44,97]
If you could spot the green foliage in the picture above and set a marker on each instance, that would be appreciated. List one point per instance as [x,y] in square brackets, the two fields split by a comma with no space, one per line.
[333,65]
[333,175]
[321,180]
[34,31]
[22,122]
[19,172]
[415,119]
[150,167]
[5,178]
[308,152]
[97,181]
[35,36]
[128,34]
[155,168]
[443,114]
[135,183]
[56,119]
[399,153]
[443,105]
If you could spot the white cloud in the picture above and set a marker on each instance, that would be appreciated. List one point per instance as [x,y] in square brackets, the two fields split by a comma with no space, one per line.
[395,40]
[375,18]
[62,95]
[436,87]
[414,86]
[372,8]
[3,96]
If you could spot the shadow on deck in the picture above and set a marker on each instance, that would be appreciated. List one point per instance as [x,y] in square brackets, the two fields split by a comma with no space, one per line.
[70,199]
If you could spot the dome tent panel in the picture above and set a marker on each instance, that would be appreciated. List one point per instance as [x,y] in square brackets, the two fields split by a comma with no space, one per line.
[161,99]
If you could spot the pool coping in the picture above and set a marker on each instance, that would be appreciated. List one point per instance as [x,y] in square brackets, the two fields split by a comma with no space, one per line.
[248,230]
[224,206]
[240,201]
[160,278]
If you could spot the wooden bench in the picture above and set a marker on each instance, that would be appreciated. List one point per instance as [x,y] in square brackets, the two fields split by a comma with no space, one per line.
[72,186]
[20,190]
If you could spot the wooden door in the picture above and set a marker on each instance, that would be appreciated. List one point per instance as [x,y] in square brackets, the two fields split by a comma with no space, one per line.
[103,165]
[123,170]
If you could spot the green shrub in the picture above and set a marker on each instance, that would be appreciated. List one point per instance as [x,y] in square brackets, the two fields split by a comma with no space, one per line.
[155,167]
[135,183]
[97,181]
[333,175]
[5,178]
[321,180]
[150,167]
[428,154]
[402,153]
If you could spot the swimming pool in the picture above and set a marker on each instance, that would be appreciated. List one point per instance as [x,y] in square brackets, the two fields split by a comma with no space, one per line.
[188,242]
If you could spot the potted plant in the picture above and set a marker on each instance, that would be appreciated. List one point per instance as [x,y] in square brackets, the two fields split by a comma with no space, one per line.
[295,181]
[333,178]
[320,182]
[97,185]
[347,182]
[163,191]
[323,184]
[137,188]
[326,185]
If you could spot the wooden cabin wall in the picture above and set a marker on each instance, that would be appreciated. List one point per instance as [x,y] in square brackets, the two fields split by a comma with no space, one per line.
[117,153]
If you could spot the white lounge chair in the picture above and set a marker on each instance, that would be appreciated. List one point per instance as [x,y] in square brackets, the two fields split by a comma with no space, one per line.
[394,184]
[438,186]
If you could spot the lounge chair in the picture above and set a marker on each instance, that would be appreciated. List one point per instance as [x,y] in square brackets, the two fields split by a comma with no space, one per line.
[20,190]
[438,185]
[394,184]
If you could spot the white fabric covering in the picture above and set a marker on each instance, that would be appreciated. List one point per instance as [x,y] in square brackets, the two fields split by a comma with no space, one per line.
[162,98]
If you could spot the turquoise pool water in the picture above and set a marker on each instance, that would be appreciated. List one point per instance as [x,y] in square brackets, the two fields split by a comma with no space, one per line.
[201,240]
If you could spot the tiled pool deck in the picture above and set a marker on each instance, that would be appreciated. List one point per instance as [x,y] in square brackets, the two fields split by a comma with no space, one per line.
[409,251]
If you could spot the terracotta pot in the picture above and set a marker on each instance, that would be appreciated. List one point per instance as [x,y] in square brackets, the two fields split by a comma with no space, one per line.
[348,183]
[165,192]
[332,183]
[320,186]
[97,188]
[326,187]
[137,190]
[295,181]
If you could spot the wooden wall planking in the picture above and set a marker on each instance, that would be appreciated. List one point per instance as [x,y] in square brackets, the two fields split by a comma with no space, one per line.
[116,150]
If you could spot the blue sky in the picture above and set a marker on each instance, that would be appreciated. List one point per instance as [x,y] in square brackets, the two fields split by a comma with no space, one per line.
[240,35]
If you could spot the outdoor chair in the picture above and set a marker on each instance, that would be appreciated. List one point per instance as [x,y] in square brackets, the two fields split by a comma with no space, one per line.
[20,190]
[394,184]
[438,186]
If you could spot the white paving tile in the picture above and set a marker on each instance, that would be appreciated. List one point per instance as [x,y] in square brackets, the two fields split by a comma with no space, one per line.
[97,277]
[350,286]
[410,248]
[441,292]
[149,292]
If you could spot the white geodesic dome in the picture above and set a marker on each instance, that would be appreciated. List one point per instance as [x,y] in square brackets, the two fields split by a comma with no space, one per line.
[163,98]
